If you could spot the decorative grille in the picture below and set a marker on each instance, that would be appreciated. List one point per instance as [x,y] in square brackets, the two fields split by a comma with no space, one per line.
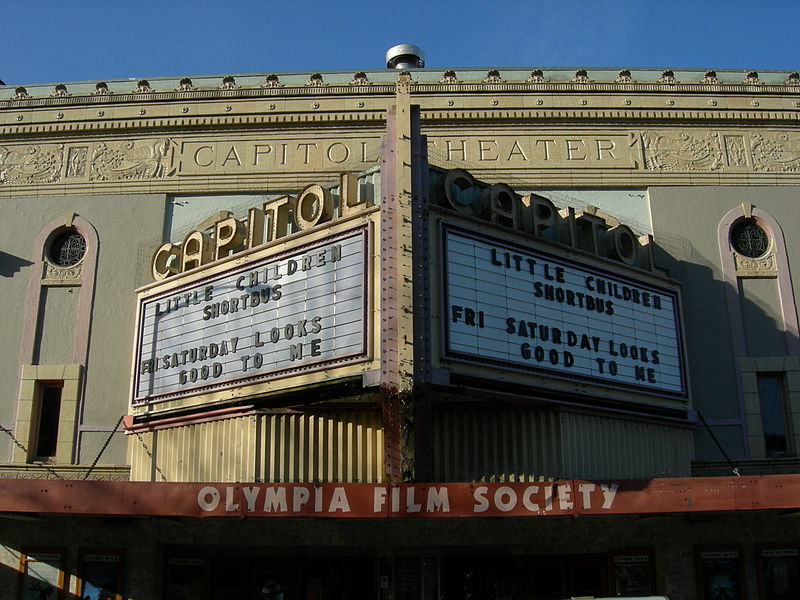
[67,249]
[749,239]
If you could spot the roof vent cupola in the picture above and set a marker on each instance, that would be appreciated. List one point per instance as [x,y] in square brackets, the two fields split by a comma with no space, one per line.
[405,56]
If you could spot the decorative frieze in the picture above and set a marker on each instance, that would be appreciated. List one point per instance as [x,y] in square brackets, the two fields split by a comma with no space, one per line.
[114,161]
[711,151]
[663,150]
[682,151]
[31,163]
[27,164]
[776,153]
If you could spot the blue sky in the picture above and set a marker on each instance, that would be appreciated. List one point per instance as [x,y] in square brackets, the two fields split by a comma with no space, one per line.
[46,41]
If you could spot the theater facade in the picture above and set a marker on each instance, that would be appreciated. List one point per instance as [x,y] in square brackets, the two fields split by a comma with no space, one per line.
[401,334]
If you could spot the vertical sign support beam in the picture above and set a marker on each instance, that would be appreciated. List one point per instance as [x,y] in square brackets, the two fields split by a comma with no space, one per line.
[396,289]
[421,409]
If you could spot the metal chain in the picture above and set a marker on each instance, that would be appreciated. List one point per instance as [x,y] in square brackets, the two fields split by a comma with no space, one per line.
[19,445]
[152,460]
[103,449]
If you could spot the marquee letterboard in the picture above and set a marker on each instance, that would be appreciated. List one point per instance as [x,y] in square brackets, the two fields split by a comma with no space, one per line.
[516,307]
[270,317]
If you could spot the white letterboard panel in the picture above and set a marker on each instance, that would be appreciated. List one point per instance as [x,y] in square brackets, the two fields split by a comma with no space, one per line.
[514,306]
[271,317]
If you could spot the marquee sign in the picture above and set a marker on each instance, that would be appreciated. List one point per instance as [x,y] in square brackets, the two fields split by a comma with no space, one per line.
[380,501]
[531,311]
[273,316]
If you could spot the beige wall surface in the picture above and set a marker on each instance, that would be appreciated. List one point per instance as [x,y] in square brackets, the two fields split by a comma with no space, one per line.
[122,223]
[701,150]
[761,313]
[685,224]
[56,331]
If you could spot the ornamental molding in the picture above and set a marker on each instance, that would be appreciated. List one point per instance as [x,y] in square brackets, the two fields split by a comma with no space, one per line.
[228,83]
[763,266]
[449,78]
[272,81]
[624,76]
[55,275]
[315,80]
[101,89]
[143,87]
[749,82]
[536,76]
[65,472]
[493,77]
[360,78]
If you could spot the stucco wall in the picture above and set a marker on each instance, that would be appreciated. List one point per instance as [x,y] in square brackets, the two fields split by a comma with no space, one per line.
[685,224]
[128,226]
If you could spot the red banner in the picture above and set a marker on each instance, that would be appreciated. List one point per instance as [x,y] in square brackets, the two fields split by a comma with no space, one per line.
[433,500]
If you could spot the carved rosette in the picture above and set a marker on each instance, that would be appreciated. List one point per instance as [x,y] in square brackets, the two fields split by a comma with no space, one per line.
[118,161]
[763,266]
[775,154]
[27,164]
[682,151]
[62,276]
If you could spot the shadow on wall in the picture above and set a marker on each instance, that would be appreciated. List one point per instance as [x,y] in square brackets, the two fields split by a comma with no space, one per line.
[711,349]
[10,264]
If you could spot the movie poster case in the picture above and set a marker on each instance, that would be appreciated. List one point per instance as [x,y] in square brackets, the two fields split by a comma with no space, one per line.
[101,574]
[720,573]
[41,573]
